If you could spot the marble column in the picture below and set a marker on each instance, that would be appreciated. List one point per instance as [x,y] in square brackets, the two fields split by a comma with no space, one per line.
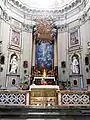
[59,99]
[34,50]
[55,53]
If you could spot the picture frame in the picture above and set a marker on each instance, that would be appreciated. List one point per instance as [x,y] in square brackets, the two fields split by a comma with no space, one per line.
[15,38]
[74,37]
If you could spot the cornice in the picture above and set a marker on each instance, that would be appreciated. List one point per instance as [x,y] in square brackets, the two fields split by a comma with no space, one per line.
[25,27]
[62,28]
[65,8]
[54,14]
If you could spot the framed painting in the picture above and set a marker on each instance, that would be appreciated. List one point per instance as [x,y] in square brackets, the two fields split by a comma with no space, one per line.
[15,39]
[74,38]
[45,55]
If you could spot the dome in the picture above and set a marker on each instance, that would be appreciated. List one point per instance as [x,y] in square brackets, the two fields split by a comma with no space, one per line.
[45,4]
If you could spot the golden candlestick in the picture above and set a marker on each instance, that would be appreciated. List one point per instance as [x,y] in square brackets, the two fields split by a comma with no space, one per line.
[44,73]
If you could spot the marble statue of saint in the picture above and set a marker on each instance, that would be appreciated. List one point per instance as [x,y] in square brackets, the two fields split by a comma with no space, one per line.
[75,65]
[14,64]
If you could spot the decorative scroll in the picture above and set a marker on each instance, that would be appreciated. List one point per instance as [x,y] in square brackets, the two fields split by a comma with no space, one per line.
[12,98]
[75,99]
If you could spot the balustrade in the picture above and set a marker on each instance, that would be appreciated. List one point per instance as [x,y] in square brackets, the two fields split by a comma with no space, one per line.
[63,98]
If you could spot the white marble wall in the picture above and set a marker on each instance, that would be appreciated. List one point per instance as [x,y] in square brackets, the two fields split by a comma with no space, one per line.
[85,37]
[62,54]
[5,40]
[26,51]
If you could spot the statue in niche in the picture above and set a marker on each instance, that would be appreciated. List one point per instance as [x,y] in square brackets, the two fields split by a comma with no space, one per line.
[75,65]
[13,64]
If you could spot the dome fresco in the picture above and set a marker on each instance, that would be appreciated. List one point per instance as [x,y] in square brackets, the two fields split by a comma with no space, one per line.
[44,4]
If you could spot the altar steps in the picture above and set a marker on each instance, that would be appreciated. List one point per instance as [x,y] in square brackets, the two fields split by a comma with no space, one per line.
[13,112]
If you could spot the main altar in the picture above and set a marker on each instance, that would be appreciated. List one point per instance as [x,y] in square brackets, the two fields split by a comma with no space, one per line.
[44,81]
[44,86]
[44,95]
[44,91]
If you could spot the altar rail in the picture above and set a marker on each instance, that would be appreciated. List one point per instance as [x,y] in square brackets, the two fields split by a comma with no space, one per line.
[14,97]
[74,98]
[65,98]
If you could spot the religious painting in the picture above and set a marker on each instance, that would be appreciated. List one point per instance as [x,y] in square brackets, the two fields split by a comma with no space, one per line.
[74,39]
[15,38]
[44,55]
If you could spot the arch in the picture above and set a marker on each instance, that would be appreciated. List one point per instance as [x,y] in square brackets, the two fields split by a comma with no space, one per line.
[11,53]
[74,54]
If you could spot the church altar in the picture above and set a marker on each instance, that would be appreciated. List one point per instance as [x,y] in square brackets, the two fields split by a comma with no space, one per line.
[44,94]
[48,80]
[56,87]
[44,78]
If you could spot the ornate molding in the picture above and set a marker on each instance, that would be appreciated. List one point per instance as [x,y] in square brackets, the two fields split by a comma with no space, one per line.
[27,27]
[63,9]
[5,16]
[63,27]
[83,17]
[51,14]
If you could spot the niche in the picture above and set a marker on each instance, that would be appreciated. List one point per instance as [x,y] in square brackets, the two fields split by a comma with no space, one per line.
[25,64]
[63,64]
[25,71]
[86,61]
[88,81]
[2,60]
[75,82]
[87,70]
[1,69]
